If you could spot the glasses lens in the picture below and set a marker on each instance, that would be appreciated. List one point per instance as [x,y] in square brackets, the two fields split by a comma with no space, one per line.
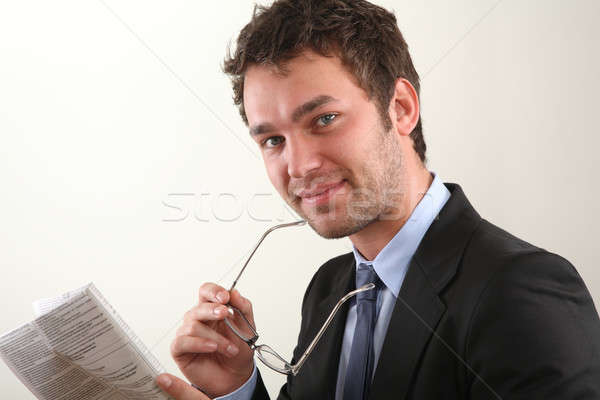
[240,325]
[273,360]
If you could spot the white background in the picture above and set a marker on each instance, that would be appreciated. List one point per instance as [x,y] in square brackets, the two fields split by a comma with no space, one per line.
[109,111]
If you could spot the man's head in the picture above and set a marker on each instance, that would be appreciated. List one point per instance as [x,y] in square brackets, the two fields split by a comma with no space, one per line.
[329,92]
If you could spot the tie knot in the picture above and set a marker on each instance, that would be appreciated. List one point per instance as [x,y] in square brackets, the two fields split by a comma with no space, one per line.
[365,273]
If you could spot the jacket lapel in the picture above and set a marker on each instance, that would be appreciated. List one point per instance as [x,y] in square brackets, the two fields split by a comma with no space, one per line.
[318,377]
[419,308]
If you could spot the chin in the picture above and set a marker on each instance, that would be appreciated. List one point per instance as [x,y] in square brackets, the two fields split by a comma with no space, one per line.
[336,229]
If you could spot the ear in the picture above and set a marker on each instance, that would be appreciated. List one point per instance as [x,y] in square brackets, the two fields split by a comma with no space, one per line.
[404,107]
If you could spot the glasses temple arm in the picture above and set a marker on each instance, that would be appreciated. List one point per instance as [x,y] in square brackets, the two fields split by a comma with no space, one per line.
[295,368]
[237,278]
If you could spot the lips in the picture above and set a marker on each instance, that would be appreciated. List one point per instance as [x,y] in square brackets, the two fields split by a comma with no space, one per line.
[321,193]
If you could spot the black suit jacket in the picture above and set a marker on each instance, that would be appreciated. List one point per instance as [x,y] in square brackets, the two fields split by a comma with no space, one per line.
[481,315]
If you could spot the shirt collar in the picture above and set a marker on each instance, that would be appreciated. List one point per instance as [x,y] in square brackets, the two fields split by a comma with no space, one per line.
[392,262]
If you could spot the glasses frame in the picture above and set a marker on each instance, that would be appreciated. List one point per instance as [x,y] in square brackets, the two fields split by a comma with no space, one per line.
[288,369]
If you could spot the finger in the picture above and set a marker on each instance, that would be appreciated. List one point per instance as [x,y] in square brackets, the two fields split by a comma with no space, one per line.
[202,331]
[211,292]
[179,389]
[242,304]
[206,312]
[183,345]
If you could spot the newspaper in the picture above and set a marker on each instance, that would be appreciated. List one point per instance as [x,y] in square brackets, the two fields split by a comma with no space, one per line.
[78,348]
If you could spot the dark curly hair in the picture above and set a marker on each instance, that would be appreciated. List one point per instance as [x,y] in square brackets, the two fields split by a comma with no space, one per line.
[364,36]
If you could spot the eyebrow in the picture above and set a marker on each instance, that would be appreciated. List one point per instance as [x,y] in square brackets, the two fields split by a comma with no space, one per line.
[298,113]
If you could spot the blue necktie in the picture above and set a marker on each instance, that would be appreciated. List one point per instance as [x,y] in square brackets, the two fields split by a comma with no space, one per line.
[360,366]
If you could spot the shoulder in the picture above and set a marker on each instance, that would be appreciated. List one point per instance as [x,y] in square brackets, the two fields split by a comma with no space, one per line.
[505,284]
[500,271]
[335,266]
[516,273]
[494,258]
[330,271]
[530,294]
[531,313]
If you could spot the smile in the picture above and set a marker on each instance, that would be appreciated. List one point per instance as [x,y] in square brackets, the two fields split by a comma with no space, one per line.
[321,194]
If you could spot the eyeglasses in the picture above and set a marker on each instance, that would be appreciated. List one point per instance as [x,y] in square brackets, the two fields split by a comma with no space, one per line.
[242,328]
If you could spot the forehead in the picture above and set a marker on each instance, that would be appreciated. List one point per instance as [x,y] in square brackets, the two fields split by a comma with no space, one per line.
[270,93]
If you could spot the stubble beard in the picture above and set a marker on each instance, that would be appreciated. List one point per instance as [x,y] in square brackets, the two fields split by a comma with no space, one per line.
[371,198]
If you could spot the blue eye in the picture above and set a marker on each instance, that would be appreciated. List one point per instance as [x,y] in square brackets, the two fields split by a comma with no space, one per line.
[273,141]
[326,119]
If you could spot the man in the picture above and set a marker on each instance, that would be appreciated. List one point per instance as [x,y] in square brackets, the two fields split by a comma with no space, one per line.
[461,309]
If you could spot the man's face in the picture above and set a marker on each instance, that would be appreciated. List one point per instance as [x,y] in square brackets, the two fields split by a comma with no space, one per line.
[323,143]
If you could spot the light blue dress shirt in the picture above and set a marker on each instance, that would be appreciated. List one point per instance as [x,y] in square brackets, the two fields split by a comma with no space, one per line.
[391,265]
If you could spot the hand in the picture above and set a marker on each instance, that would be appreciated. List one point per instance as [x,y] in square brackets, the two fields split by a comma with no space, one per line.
[178,389]
[205,349]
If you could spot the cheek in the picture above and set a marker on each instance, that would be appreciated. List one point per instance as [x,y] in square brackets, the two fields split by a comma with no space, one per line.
[278,176]
[348,149]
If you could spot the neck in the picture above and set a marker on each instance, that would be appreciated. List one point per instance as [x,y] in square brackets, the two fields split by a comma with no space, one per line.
[375,236]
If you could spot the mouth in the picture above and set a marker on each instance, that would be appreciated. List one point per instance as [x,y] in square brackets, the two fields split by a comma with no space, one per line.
[321,194]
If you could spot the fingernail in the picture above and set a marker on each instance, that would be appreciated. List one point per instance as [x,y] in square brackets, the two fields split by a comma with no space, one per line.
[211,346]
[164,381]
[221,297]
[240,295]
[233,350]
[219,310]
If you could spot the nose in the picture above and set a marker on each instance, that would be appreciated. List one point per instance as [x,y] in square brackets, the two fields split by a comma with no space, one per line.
[302,156]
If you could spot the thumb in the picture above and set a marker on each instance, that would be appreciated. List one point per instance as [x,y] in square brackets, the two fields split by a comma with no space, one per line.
[242,304]
[179,389]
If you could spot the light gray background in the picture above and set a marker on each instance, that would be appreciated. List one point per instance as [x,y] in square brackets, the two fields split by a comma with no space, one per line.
[111,110]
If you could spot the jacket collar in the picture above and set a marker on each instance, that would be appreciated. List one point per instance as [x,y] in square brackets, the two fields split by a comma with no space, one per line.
[415,316]
[418,307]
[391,264]
[320,371]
